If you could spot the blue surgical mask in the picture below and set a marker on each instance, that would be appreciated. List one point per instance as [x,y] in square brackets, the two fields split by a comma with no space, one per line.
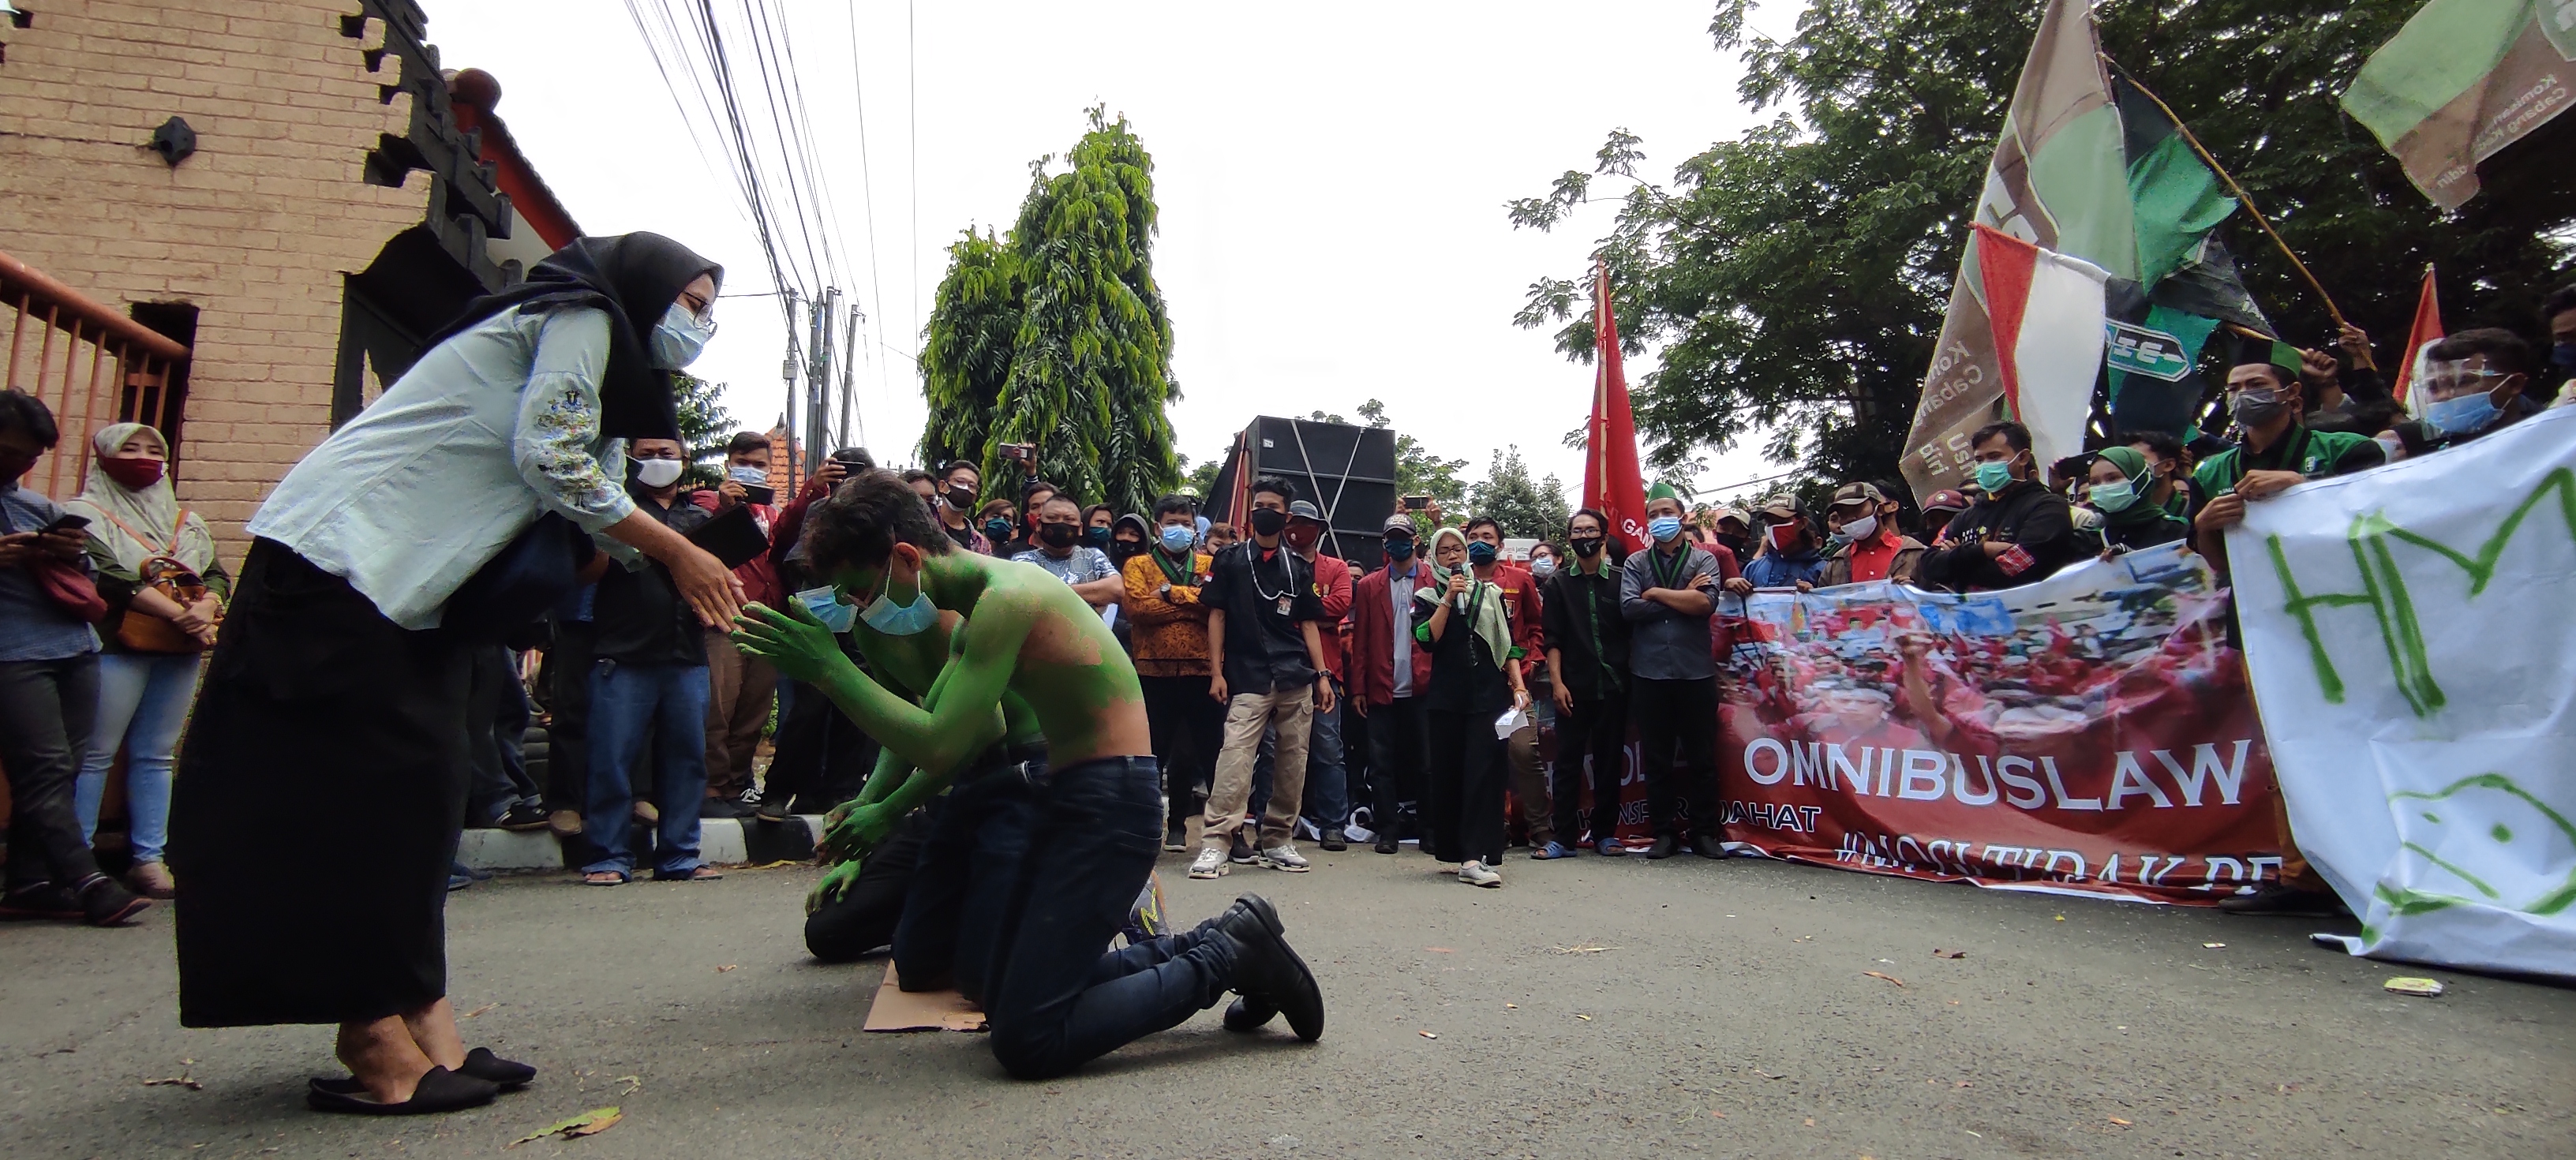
[748,476]
[1663,528]
[2461,415]
[1178,538]
[1480,553]
[2563,356]
[2113,497]
[1994,476]
[1097,537]
[892,619]
[679,337]
[825,604]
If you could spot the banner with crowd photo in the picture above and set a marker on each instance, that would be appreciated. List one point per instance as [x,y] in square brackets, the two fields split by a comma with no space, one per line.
[2091,734]
[2409,635]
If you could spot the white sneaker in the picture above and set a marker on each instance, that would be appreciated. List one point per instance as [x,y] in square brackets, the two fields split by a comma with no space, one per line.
[1210,863]
[1476,873]
[1284,856]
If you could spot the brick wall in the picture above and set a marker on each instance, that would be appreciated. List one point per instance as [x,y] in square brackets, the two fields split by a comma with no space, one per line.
[256,230]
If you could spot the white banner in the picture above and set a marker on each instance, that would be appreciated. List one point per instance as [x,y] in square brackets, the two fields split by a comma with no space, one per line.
[2411,632]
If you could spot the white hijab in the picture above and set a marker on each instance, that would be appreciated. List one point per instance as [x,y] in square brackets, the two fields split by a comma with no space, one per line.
[117,513]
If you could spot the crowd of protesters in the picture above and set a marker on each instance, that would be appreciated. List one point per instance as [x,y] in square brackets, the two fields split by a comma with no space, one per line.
[1462,695]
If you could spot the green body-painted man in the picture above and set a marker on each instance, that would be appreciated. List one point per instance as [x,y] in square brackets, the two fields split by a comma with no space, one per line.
[1054,998]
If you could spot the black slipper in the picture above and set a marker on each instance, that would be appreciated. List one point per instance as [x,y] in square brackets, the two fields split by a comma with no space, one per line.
[440,1090]
[483,1065]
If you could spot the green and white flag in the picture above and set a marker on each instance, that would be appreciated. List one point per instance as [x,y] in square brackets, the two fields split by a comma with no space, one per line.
[2461,81]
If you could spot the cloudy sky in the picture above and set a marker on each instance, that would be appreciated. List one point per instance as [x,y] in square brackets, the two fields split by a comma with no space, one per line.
[1331,178]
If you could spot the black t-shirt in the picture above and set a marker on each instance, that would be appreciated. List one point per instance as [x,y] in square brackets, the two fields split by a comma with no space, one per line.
[1265,596]
[962,537]
[639,616]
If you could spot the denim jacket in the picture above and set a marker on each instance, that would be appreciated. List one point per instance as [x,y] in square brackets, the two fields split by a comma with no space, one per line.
[460,455]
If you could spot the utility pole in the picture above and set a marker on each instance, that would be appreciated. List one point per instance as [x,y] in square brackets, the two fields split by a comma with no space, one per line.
[797,452]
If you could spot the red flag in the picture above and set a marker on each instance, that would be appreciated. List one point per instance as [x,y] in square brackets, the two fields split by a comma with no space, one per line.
[1611,481]
[2426,331]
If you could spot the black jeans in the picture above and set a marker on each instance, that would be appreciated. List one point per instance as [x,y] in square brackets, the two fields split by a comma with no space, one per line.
[822,756]
[567,682]
[1188,728]
[1399,751]
[967,866]
[1055,1000]
[47,709]
[1465,812]
[1678,715]
[864,917]
[1599,730]
[496,719]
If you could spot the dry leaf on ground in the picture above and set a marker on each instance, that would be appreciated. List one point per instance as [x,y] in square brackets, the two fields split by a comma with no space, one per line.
[588,1123]
[2119,1121]
[478,1011]
[1938,953]
[1889,978]
[727,967]
[1440,950]
[176,1081]
[1428,1034]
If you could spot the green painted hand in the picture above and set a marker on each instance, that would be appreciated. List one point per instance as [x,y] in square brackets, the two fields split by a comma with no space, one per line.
[835,883]
[860,830]
[792,641]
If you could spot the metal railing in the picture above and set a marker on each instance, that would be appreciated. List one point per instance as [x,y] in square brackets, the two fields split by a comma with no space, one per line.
[125,377]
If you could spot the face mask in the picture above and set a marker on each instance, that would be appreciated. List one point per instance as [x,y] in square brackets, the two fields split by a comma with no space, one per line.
[1056,535]
[134,474]
[1664,528]
[1480,553]
[2563,356]
[1783,536]
[1399,548]
[658,473]
[1268,521]
[1992,478]
[1586,546]
[1096,536]
[961,498]
[826,606]
[1177,538]
[2113,497]
[2253,408]
[1542,567]
[892,619]
[748,476]
[1860,529]
[997,529]
[1121,551]
[679,337]
[2461,415]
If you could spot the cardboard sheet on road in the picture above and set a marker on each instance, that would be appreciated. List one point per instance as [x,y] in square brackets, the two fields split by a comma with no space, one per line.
[896,1009]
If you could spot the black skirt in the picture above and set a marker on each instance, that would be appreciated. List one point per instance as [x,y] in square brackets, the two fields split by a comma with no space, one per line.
[319,796]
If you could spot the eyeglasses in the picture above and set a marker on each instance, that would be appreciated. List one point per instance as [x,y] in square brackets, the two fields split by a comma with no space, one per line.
[702,309]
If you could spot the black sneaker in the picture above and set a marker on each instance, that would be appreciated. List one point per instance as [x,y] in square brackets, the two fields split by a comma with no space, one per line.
[46,902]
[1666,845]
[1176,839]
[774,808]
[1266,969]
[2276,900]
[522,818]
[1386,843]
[1248,1014]
[106,902]
[1333,840]
[1242,854]
[1707,846]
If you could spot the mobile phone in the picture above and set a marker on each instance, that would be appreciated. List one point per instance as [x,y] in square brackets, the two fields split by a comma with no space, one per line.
[67,522]
[757,493]
[854,460]
[1019,450]
[1416,503]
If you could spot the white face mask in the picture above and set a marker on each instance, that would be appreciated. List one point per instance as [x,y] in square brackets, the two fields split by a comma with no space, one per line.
[658,473]
[679,337]
[1860,529]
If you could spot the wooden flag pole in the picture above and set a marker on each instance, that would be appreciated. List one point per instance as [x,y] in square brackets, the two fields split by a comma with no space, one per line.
[2244,198]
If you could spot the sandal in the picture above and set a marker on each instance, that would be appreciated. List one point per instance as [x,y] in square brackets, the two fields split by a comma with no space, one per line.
[604,878]
[480,1064]
[440,1090]
[694,874]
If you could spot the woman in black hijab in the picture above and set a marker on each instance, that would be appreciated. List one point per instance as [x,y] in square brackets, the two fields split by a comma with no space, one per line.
[323,781]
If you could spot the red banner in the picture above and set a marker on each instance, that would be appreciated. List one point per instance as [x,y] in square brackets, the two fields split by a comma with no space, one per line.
[2092,733]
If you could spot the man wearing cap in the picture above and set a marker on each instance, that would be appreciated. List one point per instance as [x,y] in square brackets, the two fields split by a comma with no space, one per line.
[1789,558]
[1877,551]
[2018,532]
[1938,511]
[2263,397]
[1390,681]
[1668,593]
[1731,529]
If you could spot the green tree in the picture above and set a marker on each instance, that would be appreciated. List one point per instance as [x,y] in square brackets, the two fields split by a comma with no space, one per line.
[1524,507]
[1417,470]
[705,427]
[1794,278]
[1056,334]
[1201,480]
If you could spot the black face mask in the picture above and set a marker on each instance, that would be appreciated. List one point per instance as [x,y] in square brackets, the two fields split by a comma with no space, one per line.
[1122,551]
[1399,548]
[961,498]
[1058,535]
[1586,546]
[1268,521]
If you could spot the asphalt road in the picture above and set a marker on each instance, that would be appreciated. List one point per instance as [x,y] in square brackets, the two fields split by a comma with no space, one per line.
[1589,1008]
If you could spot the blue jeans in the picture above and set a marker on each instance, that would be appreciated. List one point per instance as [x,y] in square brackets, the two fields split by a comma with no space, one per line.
[143,701]
[626,703]
[1055,1000]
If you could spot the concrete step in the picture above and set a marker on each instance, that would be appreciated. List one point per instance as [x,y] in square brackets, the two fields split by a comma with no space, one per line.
[723,841]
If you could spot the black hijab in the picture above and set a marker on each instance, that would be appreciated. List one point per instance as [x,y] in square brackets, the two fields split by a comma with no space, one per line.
[634,278]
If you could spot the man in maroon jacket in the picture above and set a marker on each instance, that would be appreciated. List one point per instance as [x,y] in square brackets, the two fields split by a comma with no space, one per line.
[1389,679]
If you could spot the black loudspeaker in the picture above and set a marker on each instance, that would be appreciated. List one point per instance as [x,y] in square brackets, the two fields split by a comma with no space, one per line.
[1347,471]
